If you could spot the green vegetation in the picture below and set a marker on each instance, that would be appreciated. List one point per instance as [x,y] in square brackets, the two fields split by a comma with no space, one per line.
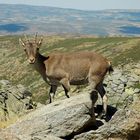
[137,85]
[14,67]
[131,55]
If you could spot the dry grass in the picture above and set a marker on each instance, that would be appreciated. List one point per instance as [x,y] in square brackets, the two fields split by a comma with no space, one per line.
[4,124]
[14,67]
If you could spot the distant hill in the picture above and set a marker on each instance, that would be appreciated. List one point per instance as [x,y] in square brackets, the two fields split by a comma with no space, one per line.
[19,19]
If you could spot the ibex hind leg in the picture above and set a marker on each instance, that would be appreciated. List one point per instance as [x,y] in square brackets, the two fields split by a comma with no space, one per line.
[66,85]
[93,81]
[52,93]
[103,95]
[66,91]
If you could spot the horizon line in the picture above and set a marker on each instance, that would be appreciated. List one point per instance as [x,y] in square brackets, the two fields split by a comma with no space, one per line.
[67,7]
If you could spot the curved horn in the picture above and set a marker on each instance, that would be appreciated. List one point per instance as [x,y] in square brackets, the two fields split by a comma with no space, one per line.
[36,37]
[26,39]
[40,41]
[21,42]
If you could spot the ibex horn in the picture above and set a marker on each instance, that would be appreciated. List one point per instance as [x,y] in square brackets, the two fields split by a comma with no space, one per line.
[26,38]
[36,37]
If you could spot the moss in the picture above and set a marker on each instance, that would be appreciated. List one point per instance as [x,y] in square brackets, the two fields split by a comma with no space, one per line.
[136,85]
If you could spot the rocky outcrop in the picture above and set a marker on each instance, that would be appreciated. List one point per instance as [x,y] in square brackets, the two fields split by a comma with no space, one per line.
[62,119]
[70,119]
[124,85]
[125,125]
[14,100]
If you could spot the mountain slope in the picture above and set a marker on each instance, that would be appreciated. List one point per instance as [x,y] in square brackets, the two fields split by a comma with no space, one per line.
[14,66]
[17,19]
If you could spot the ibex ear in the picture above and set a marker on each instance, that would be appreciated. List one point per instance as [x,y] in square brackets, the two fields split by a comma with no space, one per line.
[40,42]
[21,42]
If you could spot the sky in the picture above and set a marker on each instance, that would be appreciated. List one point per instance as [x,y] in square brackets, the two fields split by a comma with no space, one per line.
[81,4]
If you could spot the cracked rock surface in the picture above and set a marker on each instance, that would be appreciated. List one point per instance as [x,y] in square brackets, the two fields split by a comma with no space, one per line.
[61,119]
[14,100]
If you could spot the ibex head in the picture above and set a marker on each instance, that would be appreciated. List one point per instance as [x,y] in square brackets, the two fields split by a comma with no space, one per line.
[31,47]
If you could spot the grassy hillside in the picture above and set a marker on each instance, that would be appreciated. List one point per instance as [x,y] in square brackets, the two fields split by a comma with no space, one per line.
[14,67]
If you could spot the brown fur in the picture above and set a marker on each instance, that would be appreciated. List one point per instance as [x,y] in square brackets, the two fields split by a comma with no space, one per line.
[76,67]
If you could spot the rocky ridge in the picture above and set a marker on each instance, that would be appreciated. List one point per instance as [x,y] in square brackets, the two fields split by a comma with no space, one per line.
[70,119]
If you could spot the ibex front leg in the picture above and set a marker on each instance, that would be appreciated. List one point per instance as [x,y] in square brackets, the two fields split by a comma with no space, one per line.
[52,92]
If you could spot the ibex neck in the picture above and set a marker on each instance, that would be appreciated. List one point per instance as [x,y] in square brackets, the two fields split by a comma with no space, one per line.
[39,64]
[40,58]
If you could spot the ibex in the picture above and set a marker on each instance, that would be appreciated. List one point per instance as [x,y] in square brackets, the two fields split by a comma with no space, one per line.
[75,68]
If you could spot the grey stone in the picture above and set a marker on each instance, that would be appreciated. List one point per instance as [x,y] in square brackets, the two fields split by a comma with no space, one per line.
[117,74]
[124,125]
[121,87]
[123,79]
[59,119]
[116,82]
[130,83]
[68,117]
[113,85]
[136,97]
[119,91]
[114,101]
[4,82]
[134,78]
[13,103]
[130,98]
[43,137]
[114,89]
[136,90]
[124,96]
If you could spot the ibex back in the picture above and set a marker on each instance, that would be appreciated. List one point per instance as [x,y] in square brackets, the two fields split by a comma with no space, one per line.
[75,68]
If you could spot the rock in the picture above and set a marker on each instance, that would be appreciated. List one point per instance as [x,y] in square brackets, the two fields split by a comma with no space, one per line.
[71,119]
[11,136]
[4,82]
[136,97]
[123,79]
[124,96]
[116,74]
[14,100]
[116,82]
[129,91]
[113,85]
[47,137]
[121,87]
[125,125]
[130,99]
[136,90]
[130,83]
[119,91]
[134,78]
[61,119]
[137,71]
[115,89]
